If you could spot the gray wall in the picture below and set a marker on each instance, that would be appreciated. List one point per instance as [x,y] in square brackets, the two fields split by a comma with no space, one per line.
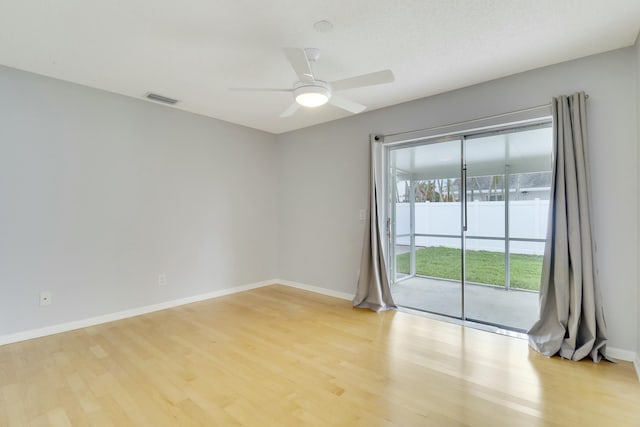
[323,174]
[100,193]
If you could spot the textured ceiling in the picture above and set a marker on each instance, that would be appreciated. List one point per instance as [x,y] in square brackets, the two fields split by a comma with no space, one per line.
[194,50]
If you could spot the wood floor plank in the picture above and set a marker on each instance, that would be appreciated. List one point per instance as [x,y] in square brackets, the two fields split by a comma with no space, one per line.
[277,356]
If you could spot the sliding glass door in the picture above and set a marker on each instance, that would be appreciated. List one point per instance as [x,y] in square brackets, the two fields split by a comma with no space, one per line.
[427,226]
[508,187]
[468,216]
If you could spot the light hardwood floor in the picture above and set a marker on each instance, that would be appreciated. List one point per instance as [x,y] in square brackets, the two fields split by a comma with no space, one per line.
[278,356]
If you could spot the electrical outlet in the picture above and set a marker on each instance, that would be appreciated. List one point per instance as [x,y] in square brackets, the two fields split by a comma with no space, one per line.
[45,298]
[363,214]
[162,279]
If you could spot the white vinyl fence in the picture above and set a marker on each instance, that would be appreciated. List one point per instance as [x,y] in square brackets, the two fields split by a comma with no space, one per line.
[527,220]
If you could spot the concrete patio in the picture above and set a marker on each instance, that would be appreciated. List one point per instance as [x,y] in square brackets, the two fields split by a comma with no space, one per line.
[511,309]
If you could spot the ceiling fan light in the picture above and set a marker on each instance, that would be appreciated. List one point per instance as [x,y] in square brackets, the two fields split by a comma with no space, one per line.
[312,99]
[312,96]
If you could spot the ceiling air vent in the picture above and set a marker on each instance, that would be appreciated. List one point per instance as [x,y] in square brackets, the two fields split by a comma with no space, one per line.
[159,98]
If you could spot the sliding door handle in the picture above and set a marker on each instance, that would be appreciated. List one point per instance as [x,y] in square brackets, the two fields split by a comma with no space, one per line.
[464,198]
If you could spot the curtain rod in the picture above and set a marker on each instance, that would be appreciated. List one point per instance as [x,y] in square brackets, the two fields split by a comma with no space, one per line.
[497,116]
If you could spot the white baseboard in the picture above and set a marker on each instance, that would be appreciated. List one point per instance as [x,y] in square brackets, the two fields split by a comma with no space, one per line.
[620,354]
[83,323]
[92,321]
[636,364]
[316,289]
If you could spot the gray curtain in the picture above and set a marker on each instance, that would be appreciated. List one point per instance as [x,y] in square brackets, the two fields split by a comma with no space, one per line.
[373,284]
[571,321]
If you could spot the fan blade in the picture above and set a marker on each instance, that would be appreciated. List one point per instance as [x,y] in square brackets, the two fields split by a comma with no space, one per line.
[377,78]
[300,64]
[259,89]
[289,111]
[346,104]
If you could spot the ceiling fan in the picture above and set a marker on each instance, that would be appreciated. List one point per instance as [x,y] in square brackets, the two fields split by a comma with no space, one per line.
[311,92]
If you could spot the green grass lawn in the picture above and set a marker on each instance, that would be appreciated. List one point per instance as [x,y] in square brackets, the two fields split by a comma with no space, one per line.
[482,266]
